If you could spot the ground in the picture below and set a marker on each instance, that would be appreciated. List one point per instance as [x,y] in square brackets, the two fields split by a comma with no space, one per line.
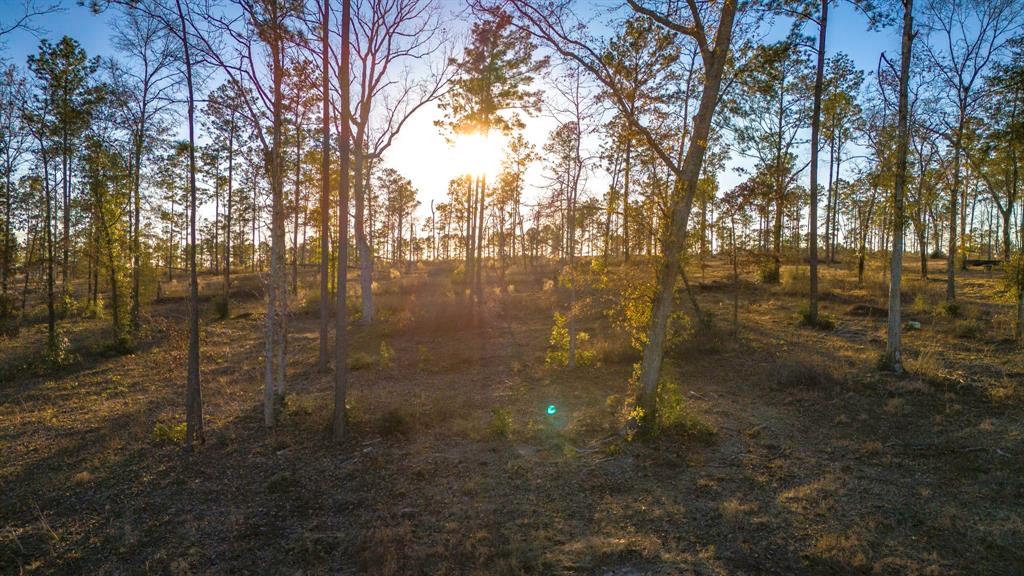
[794,453]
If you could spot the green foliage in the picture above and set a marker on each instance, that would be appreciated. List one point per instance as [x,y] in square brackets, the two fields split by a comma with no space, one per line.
[386,355]
[494,75]
[58,352]
[500,425]
[360,361]
[1013,277]
[558,345]
[951,309]
[95,310]
[768,273]
[67,306]
[164,434]
[459,274]
[970,329]
[632,312]
[676,418]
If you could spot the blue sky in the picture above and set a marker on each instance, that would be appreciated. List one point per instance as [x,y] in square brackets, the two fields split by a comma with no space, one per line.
[421,152]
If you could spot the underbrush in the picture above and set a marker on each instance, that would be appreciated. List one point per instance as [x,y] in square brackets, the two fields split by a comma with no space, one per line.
[795,373]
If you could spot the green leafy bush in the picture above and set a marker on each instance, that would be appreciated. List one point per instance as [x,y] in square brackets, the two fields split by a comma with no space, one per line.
[558,345]
[173,434]
[58,352]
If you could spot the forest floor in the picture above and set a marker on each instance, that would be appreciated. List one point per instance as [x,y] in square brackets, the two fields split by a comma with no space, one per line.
[796,454]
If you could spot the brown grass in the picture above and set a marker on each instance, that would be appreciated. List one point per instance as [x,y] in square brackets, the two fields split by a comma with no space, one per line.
[819,464]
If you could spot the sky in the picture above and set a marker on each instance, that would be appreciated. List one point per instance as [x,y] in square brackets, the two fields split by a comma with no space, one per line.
[421,152]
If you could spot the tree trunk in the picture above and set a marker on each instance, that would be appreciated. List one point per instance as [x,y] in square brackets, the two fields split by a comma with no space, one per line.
[687,178]
[338,426]
[812,228]
[193,395]
[893,348]
[325,188]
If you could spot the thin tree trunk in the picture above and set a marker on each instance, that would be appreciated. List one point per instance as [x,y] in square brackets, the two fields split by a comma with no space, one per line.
[341,314]
[689,174]
[193,395]
[325,188]
[893,348]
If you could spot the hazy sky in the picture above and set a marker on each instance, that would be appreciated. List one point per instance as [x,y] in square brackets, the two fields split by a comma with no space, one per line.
[421,152]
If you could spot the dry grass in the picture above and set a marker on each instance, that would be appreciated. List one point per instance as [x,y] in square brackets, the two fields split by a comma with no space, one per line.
[818,464]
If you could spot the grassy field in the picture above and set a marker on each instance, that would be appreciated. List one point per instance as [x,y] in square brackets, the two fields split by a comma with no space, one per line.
[790,452]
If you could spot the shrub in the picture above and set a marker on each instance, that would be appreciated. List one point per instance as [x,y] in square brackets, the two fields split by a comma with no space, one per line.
[970,329]
[676,418]
[558,345]
[386,355]
[95,310]
[795,280]
[632,312]
[920,305]
[58,352]
[768,273]
[500,425]
[951,309]
[173,434]
[9,324]
[423,356]
[822,322]
[360,361]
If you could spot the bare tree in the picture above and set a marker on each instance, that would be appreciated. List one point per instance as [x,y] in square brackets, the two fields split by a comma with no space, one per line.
[21,18]
[149,84]
[966,37]
[256,34]
[388,37]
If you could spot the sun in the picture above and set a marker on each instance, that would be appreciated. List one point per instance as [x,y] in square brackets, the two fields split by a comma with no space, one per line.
[478,154]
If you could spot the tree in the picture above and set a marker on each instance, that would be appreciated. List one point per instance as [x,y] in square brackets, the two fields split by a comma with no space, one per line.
[193,395]
[148,85]
[225,117]
[893,346]
[389,36]
[558,29]
[14,144]
[644,56]
[263,28]
[339,420]
[490,90]
[38,117]
[65,74]
[840,118]
[966,37]
[772,111]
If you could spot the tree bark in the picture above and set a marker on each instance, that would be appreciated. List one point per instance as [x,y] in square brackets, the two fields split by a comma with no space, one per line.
[193,395]
[689,174]
[341,313]
[325,188]
[812,229]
